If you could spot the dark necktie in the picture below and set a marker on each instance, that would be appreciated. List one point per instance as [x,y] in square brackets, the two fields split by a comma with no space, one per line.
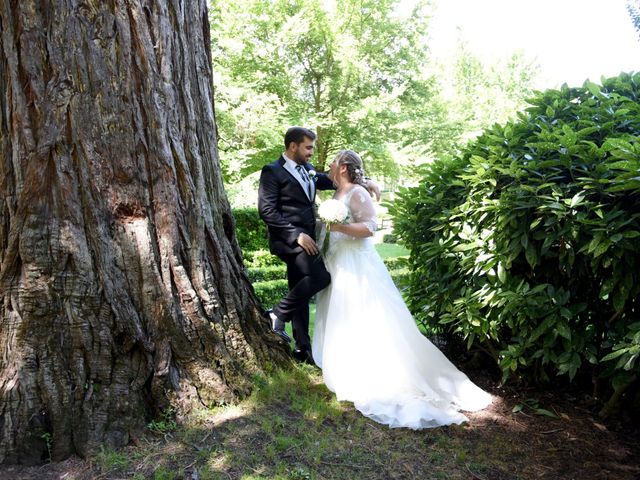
[305,179]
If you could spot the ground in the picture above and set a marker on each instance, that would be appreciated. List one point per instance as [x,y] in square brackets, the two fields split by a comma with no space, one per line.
[293,428]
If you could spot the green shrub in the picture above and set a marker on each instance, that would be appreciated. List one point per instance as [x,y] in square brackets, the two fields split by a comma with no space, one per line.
[396,262]
[260,259]
[262,274]
[400,277]
[527,246]
[251,231]
[389,238]
[271,292]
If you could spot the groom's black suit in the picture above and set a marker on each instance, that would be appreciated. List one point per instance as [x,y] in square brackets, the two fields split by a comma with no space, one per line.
[288,211]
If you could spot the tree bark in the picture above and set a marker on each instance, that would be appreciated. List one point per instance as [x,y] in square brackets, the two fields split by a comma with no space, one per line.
[122,288]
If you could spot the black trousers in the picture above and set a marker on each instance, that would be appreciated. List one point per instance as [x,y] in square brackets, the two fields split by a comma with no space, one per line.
[307,275]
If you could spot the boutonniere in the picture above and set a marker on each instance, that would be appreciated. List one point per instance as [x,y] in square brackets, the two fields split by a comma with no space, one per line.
[312,174]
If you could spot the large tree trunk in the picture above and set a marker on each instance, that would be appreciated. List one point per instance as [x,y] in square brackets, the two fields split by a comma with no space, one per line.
[121,283]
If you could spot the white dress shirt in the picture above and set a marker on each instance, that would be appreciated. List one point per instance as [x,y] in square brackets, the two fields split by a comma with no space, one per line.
[307,185]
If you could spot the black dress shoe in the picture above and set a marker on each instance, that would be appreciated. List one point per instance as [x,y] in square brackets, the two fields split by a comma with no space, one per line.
[277,326]
[303,356]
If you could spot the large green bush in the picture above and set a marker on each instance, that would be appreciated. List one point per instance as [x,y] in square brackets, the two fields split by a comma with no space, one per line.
[528,244]
[251,231]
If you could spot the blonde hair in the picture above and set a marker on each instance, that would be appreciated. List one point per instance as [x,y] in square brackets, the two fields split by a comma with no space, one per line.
[354,165]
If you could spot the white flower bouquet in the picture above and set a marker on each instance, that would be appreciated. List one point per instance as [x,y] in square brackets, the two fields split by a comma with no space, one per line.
[330,212]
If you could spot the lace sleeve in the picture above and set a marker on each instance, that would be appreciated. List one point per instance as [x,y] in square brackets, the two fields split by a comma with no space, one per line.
[362,209]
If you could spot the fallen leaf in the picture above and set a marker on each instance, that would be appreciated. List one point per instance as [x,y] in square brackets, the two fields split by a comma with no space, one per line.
[599,426]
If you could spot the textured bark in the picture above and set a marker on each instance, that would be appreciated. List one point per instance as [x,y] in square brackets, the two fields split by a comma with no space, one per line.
[121,283]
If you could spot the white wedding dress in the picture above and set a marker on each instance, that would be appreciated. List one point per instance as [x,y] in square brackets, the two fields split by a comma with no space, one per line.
[368,345]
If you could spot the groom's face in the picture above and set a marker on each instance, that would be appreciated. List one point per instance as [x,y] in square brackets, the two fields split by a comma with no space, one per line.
[303,150]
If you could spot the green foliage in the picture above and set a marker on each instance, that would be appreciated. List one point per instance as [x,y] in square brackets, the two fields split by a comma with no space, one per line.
[400,277]
[389,238]
[260,259]
[162,473]
[165,424]
[110,460]
[526,245]
[393,263]
[270,282]
[391,250]
[48,440]
[487,94]
[633,8]
[355,71]
[360,74]
[251,231]
[533,405]
[271,291]
[264,274]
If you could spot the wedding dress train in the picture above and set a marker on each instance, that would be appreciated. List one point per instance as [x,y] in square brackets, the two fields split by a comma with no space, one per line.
[368,346]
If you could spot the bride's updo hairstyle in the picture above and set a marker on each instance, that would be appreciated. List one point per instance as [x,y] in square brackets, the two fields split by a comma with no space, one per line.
[354,165]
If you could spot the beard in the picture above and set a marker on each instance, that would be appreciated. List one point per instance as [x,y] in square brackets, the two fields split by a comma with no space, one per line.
[300,158]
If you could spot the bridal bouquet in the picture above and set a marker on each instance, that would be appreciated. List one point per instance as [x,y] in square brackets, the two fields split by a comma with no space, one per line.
[331,211]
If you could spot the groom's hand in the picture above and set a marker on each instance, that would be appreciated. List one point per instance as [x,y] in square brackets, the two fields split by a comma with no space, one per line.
[307,244]
[374,189]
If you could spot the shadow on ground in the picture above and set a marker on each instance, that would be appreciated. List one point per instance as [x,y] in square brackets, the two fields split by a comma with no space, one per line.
[292,428]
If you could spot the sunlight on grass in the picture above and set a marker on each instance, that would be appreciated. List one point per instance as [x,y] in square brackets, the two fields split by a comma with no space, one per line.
[391,250]
[292,427]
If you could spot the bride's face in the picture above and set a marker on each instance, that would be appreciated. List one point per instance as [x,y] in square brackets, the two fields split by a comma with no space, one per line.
[333,169]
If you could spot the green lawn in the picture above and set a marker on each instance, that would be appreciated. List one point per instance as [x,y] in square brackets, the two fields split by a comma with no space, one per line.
[391,250]
[292,428]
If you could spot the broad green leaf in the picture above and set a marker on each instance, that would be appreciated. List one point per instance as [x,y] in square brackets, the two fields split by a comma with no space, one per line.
[532,255]
[592,87]
[564,330]
[547,413]
[502,274]
[613,355]
[577,199]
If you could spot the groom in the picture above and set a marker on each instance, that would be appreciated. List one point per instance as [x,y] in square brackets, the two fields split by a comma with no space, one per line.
[285,201]
[286,204]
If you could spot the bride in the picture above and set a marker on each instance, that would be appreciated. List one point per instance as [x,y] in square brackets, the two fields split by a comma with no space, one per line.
[365,340]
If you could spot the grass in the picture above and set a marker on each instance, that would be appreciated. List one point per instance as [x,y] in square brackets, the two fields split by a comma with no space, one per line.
[110,461]
[391,250]
[292,428]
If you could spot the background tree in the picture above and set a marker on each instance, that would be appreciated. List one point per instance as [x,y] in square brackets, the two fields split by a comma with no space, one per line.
[361,74]
[121,283]
[353,70]
[484,94]
[633,8]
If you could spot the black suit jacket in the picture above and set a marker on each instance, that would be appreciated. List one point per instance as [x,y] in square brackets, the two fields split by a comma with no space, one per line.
[285,207]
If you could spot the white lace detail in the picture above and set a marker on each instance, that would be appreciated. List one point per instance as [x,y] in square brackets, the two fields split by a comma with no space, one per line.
[361,208]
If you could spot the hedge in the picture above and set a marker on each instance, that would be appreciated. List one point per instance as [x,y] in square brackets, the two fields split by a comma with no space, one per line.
[262,274]
[251,231]
[271,291]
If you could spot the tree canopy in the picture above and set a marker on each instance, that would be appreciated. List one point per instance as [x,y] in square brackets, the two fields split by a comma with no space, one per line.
[359,73]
